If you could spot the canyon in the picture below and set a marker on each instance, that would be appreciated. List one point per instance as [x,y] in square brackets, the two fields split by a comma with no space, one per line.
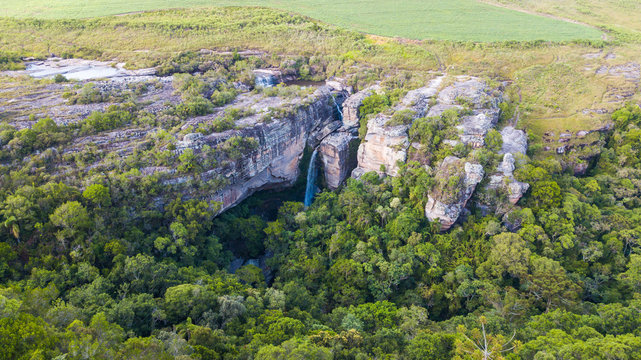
[323,118]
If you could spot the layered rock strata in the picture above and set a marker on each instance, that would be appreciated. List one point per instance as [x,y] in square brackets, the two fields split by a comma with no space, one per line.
[338,158]
[281,143]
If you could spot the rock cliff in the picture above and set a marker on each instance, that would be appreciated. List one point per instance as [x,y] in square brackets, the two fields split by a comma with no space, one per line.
[384,144]
[456,182]
[337,157]
[281,143]
[387,143]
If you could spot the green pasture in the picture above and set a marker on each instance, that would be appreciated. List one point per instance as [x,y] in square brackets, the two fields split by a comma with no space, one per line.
[465,20]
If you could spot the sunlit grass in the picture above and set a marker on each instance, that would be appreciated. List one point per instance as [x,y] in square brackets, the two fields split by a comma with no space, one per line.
[412,19]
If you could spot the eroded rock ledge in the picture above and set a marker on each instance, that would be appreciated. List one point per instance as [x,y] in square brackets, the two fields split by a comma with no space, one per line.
[386,144]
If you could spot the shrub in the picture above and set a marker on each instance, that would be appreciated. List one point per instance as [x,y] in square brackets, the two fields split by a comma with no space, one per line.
[196,106]
[223,95]
[403,117]
[60,79]
[494,140]
[115,117]
[374,104]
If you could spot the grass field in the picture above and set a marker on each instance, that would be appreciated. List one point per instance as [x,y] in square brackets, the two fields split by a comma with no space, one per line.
[619,17]
[466,20]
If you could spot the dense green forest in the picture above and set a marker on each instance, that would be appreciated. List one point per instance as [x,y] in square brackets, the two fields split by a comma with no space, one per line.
[102,273]
[96,264]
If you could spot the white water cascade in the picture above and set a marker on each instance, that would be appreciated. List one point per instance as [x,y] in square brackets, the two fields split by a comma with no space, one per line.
[312,174]
[340,112]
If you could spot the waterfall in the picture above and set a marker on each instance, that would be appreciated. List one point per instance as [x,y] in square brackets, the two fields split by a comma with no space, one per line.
[337,107]
[265,80]
[312,173]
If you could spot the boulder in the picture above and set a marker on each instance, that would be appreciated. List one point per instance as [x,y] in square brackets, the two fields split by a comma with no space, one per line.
[446,201]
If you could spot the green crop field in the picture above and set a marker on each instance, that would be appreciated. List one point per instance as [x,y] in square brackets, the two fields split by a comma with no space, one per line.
[466,20]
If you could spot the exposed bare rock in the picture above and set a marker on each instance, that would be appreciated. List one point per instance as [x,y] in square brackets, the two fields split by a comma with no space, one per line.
[473,128]
[275,163]
[448,198]
[352,105]
[47,100]
[514,141]
[468,90]
[384,145]
[480,99]
[629,71]
[504,179]
[338,85]
[80,69]
[336,153]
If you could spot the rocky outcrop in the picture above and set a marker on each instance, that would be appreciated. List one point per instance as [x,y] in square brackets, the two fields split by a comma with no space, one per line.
[479,99]
[514,141]
[504,179]
[448,199]
[336,156]
[352,105]
[385,145]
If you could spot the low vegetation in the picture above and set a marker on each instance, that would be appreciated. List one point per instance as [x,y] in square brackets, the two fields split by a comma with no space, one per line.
[413,19]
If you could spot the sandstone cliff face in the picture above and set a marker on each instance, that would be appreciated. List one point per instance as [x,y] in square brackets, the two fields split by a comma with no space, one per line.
[352,105]
[384,145]
[337,158]
[275,162]
[447,202]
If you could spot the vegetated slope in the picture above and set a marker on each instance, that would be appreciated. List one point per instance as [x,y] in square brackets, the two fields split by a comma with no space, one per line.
[617,16]
[572,96]
[414,19]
